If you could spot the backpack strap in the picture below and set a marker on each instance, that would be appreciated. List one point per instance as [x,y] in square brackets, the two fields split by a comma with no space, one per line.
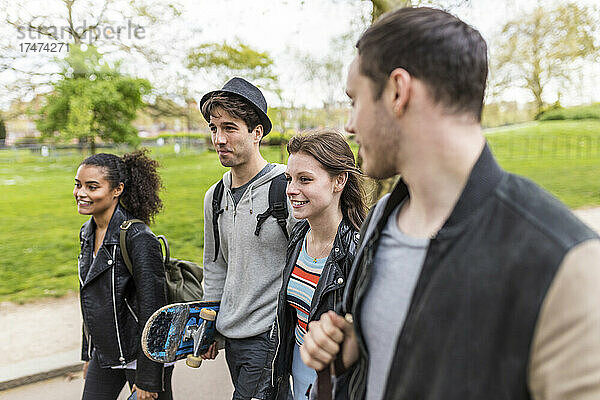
[277,205]
[217,211]
[123,242]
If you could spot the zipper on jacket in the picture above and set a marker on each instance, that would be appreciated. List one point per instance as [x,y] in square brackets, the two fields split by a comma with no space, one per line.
[358,379]
[283,277]
[132,313]
[276,348]
[79,268]
[334,301]
[234,206]
[89,336]
[114,298]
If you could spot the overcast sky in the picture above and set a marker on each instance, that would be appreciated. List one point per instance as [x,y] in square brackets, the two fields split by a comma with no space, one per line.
[287,28]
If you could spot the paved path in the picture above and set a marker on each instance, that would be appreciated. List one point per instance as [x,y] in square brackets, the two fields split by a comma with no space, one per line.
[590,216]
[46,335]
[210,382]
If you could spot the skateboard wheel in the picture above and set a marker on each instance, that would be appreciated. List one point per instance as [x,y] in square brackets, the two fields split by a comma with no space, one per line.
[192,361]
[207,314]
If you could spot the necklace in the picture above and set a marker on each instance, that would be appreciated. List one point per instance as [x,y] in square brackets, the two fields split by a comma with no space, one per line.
[323,251]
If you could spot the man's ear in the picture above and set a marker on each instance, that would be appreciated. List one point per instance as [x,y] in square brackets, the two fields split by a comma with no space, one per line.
[258,133]
[118,190]
[400,85]
[340,182]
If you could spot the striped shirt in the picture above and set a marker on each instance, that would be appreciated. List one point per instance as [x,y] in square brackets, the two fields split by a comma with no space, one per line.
[301,288]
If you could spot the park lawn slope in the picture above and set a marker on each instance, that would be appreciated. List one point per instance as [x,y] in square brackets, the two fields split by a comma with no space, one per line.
[561,156]
[40,225]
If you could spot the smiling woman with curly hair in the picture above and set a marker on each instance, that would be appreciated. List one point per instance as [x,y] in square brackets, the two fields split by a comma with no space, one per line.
[114,302]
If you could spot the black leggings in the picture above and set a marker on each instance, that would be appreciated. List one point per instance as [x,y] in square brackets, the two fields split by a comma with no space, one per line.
[107,383]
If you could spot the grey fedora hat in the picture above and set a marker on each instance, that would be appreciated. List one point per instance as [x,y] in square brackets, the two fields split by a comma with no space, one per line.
[250,93]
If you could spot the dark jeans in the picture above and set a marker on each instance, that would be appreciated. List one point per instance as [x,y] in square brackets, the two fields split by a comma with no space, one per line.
[106,383]
[249,361]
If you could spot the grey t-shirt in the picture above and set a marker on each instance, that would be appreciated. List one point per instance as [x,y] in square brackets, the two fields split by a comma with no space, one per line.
[238,192]
[396,269]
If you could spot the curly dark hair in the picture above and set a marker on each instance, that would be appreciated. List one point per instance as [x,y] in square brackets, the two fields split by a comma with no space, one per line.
[140,178]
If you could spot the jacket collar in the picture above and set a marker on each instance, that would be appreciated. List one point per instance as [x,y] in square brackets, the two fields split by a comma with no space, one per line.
[483,179]
[112,233]
[338,250]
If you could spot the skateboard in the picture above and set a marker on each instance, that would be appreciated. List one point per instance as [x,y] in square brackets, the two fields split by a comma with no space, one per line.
[180,330]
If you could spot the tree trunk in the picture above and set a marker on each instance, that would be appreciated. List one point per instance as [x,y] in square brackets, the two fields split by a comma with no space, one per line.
[382,6]
[376,188]
[92,146]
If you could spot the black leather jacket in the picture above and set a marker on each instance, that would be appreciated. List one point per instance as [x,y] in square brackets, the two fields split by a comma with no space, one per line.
[469,327]
[328,293]
[115,305]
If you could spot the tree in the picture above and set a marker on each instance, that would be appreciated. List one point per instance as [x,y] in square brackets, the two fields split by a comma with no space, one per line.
[2,131]
[326,72]
[93,101]
[219,61]
[117,27]
[544,47]
[382,6]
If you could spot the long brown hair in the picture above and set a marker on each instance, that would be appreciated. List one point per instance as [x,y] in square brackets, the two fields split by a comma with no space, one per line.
[332,151]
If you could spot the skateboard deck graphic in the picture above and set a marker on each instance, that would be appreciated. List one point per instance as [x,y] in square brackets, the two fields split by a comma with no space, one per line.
[179,330]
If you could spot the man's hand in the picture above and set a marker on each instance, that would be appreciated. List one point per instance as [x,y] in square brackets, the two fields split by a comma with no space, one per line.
[323,340]
[211,353]
[143,395]
[85,368]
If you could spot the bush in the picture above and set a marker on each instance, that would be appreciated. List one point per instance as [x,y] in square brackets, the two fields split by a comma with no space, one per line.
[276,138]
[591,111]
[27,140]
[185,135]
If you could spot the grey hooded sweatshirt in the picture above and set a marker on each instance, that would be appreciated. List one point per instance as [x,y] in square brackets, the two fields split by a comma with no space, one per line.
[246,276]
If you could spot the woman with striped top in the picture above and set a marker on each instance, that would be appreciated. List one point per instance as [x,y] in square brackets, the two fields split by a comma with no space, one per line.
[325,192]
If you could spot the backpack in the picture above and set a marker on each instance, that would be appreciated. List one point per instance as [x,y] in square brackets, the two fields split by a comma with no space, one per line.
[277,208]
[183,278]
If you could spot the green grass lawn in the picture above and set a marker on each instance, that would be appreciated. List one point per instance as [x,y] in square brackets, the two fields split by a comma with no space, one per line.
[39,224]
[561,156]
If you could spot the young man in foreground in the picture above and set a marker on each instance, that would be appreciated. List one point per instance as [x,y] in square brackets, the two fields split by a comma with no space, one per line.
[469,282]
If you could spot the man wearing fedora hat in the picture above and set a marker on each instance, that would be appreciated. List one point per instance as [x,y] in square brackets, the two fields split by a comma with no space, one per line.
[243,257]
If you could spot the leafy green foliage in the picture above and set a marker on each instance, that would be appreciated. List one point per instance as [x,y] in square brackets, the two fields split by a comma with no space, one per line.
[92,102]
[186,135]
[237,59]
[544,46]
[591,111]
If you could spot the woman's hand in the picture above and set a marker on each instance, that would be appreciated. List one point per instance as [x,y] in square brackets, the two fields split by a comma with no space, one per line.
[85,368]
[143,395]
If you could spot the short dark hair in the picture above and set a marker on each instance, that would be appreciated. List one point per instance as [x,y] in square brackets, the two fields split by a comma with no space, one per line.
[234,105]
[448,55]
